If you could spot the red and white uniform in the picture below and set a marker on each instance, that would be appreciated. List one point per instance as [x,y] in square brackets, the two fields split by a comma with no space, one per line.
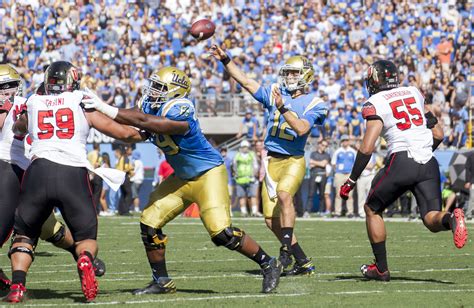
[404,124]
[58,128]
[12,148]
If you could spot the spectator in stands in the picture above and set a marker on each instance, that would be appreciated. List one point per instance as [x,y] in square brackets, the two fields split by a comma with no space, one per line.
[363,187]
[248,126]
[137,178]
[106,201]
[342,161]
[230,172]
[245,168]
[319,159]
[124,164]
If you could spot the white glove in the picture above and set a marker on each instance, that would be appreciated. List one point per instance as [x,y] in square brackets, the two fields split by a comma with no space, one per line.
[92,101]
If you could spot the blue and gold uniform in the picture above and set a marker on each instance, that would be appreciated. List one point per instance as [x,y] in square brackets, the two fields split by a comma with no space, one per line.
[286,165]
[198,171]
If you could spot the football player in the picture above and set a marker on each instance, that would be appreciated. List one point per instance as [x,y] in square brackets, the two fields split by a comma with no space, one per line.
[199,176]
[292,113]
[13,162]
[397,113]
[58,174]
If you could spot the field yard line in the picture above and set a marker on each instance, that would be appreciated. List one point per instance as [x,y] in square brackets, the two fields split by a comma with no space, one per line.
[182,299]
[401,291]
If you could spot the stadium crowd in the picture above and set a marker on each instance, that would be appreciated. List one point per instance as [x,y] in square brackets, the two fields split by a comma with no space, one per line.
[117,44]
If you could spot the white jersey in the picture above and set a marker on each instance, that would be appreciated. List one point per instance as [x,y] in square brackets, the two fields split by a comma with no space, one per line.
[12,148]
[404,124]
[58,128]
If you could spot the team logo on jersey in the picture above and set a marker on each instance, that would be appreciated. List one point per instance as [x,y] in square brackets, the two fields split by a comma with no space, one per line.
[184,110]
[368,110]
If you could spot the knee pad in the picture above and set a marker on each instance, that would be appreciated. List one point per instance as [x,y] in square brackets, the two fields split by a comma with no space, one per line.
[58,236]
[23,249]
[230,237]
[152,238]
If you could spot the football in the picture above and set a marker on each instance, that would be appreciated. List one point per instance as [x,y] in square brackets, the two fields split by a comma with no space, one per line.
[202,29]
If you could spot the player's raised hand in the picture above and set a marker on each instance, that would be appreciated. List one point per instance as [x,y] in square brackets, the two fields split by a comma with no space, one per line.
[217,52]
[277,97]
[346,189]
[90,99]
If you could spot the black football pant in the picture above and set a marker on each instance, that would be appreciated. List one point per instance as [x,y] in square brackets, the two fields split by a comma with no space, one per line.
[10,181]
[126,197]
[47,185]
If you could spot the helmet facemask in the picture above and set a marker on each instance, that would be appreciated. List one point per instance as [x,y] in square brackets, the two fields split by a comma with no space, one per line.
[57,86]
[293,78]
[157,92]
[8,90]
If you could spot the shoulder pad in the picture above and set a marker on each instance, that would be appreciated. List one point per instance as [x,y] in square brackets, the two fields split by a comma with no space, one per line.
[368,110]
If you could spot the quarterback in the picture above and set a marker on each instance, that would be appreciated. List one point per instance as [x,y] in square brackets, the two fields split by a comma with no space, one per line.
[292,114]
[199,176]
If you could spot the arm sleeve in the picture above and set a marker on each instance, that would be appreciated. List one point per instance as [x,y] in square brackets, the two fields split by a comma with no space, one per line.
[370,113]
[316,115]
[181,111]
[360,163]
[263,96]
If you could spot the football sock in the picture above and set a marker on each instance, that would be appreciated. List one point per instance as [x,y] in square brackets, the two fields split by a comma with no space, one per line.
[445,221]
[380,254]
[298,252]
[286,236]
[261,257]
[72,250]
[19,277]
[159,269]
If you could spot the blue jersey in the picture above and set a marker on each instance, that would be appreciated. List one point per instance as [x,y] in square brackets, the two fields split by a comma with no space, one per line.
[190,154]
[280,137]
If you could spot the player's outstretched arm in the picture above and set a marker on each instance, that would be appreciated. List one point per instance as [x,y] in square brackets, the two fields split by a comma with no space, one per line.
[134,117]
[247,83]
[113,129]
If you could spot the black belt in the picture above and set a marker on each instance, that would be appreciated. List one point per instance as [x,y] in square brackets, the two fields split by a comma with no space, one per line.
[278,155]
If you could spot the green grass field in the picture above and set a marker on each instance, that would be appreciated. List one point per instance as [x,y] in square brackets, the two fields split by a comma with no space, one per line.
[427,270]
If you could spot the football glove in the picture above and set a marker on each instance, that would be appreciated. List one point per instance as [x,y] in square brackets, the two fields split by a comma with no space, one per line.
[92,101]
[346,188]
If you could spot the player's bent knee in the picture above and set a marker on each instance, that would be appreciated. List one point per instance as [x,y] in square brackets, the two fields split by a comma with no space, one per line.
[231,237]
[152,238]
[58,236]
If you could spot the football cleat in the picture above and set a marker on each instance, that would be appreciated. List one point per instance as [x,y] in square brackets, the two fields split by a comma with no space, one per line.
[17,294]
[370,271]
[5,283]
[458,226]
[162,286]
[99,267]
[271,275]
[85,267]
[301,267]
[285,257]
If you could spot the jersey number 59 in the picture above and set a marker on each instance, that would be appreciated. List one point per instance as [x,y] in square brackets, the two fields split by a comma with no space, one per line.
[409,115]
[64,119]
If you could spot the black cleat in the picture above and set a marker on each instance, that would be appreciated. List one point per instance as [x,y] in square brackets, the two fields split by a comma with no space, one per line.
[301,267]
[371,272]
[162,286]
[271,275]
[99,267]
[5,282]
[285,257]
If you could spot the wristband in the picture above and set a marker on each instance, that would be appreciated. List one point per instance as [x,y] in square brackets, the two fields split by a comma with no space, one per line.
[225,60]
[108,110]
[283,109]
